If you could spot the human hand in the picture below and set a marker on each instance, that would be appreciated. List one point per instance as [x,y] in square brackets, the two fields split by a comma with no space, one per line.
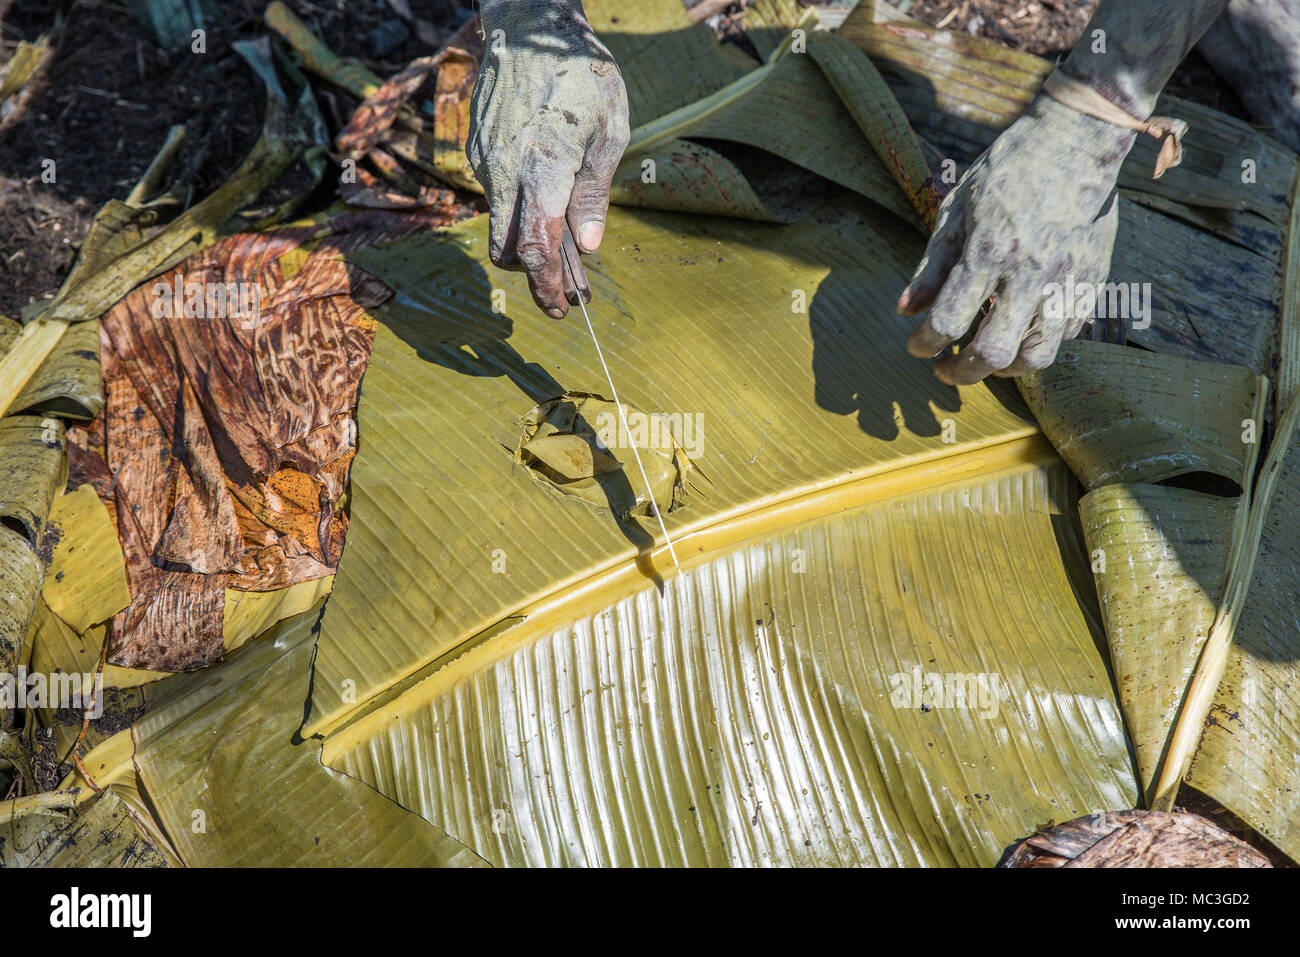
[1038,207]
[548,126]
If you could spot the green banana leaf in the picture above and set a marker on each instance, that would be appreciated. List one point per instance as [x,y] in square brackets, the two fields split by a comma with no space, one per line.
[1249,754]
[1162,557]
[1126,415]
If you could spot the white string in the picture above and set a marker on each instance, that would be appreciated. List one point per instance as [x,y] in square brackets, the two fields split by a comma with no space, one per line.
[622,415]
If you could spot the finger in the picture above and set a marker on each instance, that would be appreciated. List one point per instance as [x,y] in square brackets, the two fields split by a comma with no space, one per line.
[547,182]
[1037,351]
[503,229]
[1034,356]
[589,201]
[998,342]
[1041,345]
[1072,329]
[954,308]
[501,186]
[941,254]
[575,277]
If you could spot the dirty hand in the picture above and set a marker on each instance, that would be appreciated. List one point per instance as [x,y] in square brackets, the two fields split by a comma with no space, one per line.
[1039,207]
[548,126]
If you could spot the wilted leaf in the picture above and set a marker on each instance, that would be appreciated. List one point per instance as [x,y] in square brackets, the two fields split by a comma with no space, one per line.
[229,436]
[1135,839]
[23,65]
[37,832]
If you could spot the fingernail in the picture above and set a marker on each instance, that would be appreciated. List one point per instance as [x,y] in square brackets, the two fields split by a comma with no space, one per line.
[555,312]
[590,235]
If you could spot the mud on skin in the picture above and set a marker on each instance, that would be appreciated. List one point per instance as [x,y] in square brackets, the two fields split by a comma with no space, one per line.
[1040,204]
[549,123]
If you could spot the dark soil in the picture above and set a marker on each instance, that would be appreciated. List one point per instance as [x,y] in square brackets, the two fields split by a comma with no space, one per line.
[108,97]
[46,769]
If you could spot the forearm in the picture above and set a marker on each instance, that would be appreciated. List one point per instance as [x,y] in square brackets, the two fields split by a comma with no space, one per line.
[546,29]
[1140,45]
[532,15]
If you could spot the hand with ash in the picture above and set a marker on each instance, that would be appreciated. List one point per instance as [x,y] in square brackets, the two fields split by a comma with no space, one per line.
[1038,210]
[549,124]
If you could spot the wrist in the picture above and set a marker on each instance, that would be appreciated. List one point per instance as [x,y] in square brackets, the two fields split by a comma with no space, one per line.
[1125,88]
[1068,132]
[530,14]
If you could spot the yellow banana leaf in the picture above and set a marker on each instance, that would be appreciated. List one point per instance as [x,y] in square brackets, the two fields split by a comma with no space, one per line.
[32,449]
[861,688]
[68,383]
[86,576]
[232,785]
[1159,558]
[673,101]
[825,446]
[249,613]
[110,765]
[813,385]
[58,647]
